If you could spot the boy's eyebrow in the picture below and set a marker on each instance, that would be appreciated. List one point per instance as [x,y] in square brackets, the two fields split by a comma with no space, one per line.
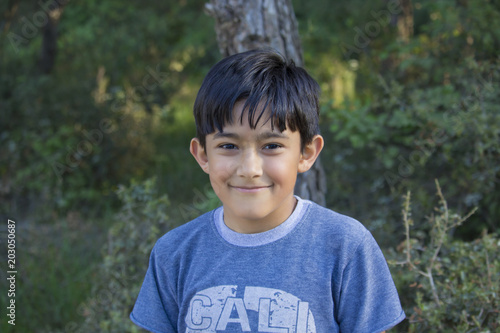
[220,135]
[261,136]
[272,135]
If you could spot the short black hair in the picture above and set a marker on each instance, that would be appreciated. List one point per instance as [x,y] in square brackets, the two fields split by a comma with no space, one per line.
[260,77]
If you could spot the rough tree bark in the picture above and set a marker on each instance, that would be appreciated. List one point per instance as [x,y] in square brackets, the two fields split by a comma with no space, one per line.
[243,25]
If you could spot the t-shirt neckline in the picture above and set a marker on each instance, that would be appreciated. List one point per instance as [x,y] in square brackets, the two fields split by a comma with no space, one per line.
[262,238]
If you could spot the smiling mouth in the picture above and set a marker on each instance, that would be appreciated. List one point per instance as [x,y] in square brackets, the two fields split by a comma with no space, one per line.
[250,189]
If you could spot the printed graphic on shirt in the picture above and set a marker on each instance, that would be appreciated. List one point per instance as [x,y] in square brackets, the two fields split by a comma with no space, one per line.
[218,309]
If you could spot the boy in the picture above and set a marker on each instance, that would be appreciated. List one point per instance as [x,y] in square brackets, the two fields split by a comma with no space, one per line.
[266,261]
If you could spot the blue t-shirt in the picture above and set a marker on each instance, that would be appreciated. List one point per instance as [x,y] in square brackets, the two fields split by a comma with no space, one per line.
[319,271]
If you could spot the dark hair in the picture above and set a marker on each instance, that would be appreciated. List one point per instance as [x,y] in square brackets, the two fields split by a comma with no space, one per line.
[258,76]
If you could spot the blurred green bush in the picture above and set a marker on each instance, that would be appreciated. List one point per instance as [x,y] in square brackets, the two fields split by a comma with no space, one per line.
[139,224]
[423,109]
[144,217]
[446,284]
[104,114]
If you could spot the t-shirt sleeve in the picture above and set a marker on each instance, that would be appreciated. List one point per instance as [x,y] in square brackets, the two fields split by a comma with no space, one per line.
[155,309]
[369,301]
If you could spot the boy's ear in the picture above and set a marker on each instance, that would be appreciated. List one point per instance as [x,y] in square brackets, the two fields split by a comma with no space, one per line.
[199,154]
[310,153]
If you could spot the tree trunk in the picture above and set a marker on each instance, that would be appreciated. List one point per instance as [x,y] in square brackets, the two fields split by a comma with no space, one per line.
[405,21]
[243,25]
[48,51]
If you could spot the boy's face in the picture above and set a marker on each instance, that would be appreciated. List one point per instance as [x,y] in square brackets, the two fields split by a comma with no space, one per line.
[253,171]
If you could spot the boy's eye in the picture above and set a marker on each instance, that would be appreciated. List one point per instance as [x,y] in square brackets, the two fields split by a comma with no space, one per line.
[227,146]
[272,146]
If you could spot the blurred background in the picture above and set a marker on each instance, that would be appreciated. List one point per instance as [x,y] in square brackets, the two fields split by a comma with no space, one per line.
[96,117]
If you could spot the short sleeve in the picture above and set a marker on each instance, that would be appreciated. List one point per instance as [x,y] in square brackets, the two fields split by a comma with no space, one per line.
[155,309]
[369,301]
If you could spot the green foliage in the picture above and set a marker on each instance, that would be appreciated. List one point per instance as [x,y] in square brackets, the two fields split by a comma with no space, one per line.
[139,224]
[92,123]
[56,270]
[424,109]
[449,285]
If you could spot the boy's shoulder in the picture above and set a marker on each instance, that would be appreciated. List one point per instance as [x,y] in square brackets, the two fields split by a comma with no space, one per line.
[332,222]
[336,234]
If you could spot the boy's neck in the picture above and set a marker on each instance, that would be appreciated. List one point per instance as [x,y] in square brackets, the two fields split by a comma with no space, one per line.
[259,225]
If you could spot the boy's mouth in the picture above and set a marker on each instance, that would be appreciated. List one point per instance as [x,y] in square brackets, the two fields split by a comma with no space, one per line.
[250,189]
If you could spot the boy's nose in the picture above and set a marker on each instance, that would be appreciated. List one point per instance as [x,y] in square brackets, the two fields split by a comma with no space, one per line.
[250,165]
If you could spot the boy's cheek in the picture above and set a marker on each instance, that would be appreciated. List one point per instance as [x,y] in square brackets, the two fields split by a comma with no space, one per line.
[224,169]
